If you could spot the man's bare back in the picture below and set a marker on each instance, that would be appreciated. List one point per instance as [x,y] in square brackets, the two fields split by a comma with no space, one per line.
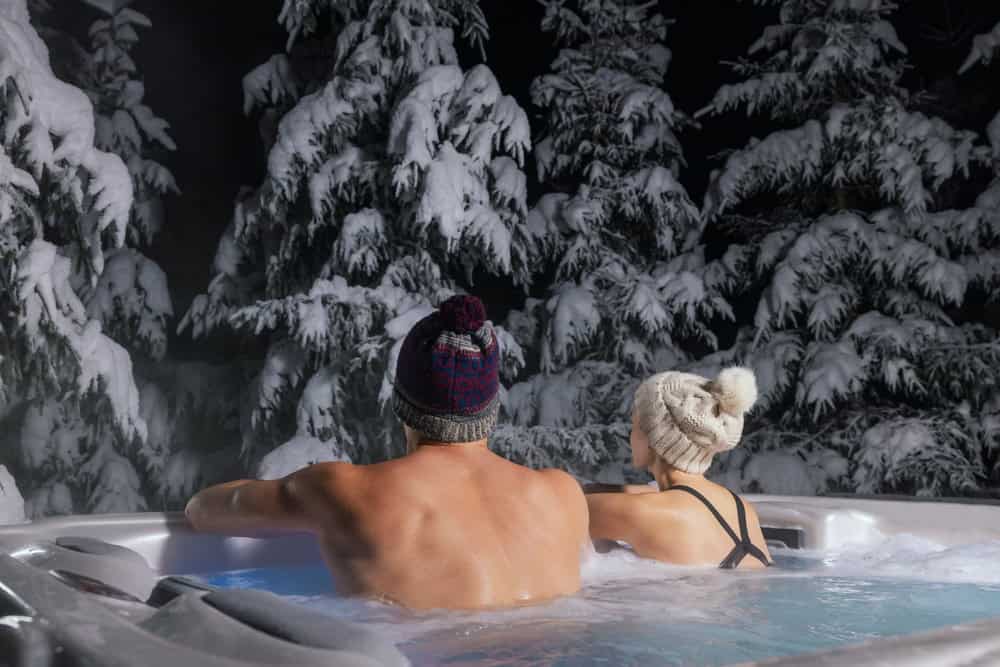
[449,526]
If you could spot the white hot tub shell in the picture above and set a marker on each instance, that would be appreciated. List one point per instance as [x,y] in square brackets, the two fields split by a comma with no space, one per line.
[169,547]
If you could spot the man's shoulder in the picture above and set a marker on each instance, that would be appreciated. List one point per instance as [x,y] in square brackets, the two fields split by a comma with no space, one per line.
[357,489]
[555,475]
[328,469]
[560,481]
[327,478]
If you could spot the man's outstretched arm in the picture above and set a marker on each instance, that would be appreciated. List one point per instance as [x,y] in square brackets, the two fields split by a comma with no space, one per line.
[254,508]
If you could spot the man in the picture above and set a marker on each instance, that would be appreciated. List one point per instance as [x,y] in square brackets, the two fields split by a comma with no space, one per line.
[449,525]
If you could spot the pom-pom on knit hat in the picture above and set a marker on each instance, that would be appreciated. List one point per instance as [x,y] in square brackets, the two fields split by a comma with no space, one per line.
[688,419]
[447,374]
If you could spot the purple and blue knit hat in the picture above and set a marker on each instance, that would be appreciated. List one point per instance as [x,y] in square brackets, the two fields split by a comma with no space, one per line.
[447,374]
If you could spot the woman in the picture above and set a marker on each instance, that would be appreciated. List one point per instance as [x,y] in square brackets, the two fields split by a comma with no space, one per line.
[679,422]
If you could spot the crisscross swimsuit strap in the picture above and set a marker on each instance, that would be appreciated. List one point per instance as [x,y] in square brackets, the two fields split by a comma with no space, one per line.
[743,546]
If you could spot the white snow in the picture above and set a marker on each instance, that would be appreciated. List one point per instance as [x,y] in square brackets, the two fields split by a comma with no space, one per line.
[993,132]
[983,48]
[333,177]
[448,148]
[414,133]
[11,502]
[48,435]
[779,156]
[780,473]
[114,483]
[831,372]
[283,369]
[48,107]
[299,452]
[295,143]
[80,397]
[49,500]
[438,186]
[574,319]
[510,184]
[44,289]
[450,191]
[361,245]
[399,326]
[901,450]
[269,83]
[132,294]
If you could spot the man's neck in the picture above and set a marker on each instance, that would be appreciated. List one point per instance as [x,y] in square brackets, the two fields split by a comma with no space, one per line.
[463,445]
[475,446]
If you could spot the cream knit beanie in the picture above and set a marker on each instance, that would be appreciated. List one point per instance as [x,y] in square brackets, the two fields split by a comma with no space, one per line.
[688,418]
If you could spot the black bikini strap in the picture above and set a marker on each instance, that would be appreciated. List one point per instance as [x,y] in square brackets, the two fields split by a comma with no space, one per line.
[711,507]
[758,554]
[742,515]
[748,546]
[735,557]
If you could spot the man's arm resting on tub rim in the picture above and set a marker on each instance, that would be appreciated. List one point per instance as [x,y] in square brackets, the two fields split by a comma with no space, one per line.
[253,508]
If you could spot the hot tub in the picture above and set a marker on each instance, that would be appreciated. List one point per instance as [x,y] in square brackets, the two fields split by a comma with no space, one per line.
[858,582]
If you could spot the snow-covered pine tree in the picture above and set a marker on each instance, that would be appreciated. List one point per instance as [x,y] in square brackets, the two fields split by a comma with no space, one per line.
[67,397]
[131,298]
[984,48]
[866,377]
[981,228]
[387,180]
[632,293]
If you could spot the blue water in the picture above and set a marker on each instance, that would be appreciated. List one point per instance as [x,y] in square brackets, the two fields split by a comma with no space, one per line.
[311,580]
[633,612]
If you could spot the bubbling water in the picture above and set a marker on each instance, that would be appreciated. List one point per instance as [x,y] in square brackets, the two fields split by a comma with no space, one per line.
[914,558]
[635,611]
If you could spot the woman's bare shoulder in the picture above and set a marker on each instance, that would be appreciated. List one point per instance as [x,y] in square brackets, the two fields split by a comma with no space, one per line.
[660,523]
[655,516]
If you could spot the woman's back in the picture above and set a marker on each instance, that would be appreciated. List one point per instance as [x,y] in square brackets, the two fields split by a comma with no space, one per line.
[677,525]
[716,520]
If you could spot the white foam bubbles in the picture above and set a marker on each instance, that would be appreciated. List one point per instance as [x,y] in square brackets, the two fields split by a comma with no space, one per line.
[910,557]
[632,609]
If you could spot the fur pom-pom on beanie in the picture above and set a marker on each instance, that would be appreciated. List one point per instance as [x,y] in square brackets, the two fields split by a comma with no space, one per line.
[688,419]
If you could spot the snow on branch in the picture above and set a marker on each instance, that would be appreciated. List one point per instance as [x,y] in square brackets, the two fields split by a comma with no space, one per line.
[632,292]
[269,83]
[983,48]
[132,297]
[71,384]
[915,155]
[49,307]
[43,108]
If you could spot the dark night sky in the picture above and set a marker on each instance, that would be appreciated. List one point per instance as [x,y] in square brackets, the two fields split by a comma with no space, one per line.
[194,57]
